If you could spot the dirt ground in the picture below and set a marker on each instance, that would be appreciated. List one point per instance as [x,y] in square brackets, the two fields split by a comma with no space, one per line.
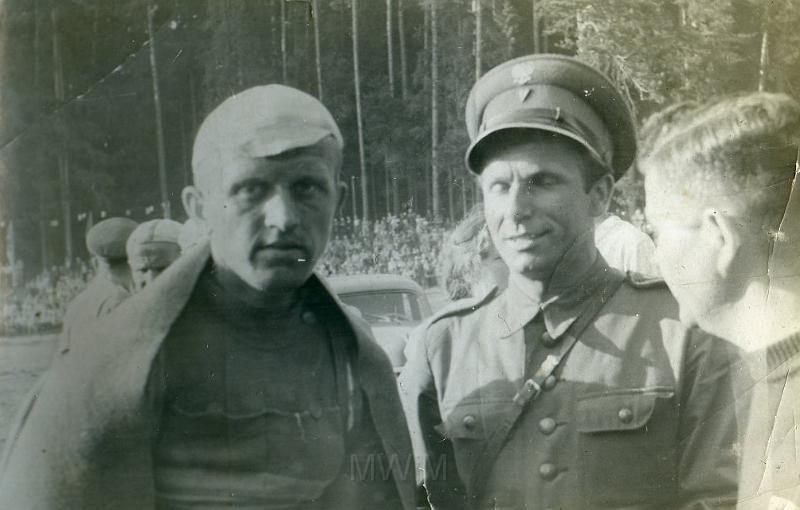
[22,360]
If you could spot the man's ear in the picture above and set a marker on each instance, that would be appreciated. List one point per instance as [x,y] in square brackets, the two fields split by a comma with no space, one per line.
[193,203]
[341,190]
[719,229]
[600,194]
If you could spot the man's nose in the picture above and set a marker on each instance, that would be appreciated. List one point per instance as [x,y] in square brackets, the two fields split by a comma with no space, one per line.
[280,210]
[520,203]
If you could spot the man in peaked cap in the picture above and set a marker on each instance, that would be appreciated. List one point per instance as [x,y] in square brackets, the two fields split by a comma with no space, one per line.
[577,386]
[151,248]
[111,283]
[236,379]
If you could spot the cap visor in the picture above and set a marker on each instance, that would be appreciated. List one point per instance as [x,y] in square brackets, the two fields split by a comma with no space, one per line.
[279,139]
[472,150]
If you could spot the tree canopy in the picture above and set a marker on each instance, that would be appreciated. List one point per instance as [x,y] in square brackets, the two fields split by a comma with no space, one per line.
[78,102]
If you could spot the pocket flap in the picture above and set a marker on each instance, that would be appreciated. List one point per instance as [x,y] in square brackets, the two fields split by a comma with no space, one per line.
[618,410]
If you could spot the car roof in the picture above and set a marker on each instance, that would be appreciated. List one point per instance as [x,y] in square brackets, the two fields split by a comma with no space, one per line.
[372,282]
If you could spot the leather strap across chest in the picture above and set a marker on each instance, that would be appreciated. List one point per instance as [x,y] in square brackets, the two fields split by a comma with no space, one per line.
[532,387]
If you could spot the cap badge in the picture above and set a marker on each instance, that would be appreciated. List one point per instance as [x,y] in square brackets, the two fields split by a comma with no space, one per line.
[522,73]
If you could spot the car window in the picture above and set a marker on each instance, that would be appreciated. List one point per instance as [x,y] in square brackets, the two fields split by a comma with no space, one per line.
[386,307]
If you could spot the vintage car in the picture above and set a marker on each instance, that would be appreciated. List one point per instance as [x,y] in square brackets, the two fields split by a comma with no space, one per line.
[391,304]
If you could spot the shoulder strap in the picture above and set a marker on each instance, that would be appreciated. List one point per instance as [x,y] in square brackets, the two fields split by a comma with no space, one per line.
[484,464]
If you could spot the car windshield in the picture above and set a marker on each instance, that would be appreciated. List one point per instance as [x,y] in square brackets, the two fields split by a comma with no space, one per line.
[386,307]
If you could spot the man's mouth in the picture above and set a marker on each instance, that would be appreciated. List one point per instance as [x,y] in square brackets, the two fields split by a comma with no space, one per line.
[283,251]
[526,240]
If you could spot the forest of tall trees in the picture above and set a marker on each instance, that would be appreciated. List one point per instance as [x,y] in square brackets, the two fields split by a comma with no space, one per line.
[100,99]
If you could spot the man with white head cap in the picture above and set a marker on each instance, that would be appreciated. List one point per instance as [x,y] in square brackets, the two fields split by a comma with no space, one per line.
[151,248]
[236,379]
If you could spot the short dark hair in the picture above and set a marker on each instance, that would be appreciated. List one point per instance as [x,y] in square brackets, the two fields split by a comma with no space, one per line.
[500,141]
[742,148]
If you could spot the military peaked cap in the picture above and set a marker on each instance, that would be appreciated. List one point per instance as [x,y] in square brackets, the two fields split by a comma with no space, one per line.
[553,93]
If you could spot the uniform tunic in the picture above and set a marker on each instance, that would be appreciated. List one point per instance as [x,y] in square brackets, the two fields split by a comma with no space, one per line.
[630,419]
[99,298]
[771,460]
[260,411]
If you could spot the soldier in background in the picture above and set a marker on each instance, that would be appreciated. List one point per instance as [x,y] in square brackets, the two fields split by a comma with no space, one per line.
[722,195]
[111,284]
[577,387]
[151,248]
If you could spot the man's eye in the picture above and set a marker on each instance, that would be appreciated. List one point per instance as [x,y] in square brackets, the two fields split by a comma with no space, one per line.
[250,191]
[307,187]
[499,187]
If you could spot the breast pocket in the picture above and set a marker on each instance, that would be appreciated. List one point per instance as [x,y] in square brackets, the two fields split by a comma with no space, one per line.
[307,444]
[627,446]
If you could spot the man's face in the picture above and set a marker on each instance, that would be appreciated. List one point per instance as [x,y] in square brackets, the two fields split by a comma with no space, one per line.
[536,204]
[149,261]
[685,257]
[270,218]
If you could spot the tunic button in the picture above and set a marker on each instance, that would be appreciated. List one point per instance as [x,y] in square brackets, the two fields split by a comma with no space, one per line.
[469,422]
[549,382]
[548,341]
[625,415]
[308,317]
[547,426]
[548,471]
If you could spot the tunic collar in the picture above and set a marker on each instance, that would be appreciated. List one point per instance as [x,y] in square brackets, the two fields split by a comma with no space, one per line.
[560,304]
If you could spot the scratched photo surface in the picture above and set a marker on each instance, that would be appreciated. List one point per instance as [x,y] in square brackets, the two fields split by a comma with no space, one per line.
[399,254]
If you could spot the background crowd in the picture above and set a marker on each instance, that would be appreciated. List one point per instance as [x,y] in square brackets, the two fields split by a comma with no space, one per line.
[406,244]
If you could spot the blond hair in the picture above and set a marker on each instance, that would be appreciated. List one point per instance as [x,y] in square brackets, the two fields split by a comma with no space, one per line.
[740,149]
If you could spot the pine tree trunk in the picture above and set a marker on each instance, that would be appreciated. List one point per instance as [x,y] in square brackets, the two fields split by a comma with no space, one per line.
[43,229]
[353,196]
[63,157]
[162,159]
[317,51]
[535,28]
[390,46]
[284,58]
[435,114]
[478,38]
[37,66]
[362,159]
[763,71]
[403,57]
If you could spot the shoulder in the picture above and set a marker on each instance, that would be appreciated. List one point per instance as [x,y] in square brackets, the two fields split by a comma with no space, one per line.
[645,299]
[463,307]
[438,326]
